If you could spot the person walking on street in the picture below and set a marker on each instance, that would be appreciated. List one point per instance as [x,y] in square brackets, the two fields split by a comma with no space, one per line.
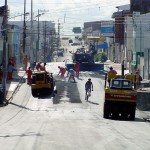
[77,69]
[25,61]
[62,71]
[71,74]
[29,74]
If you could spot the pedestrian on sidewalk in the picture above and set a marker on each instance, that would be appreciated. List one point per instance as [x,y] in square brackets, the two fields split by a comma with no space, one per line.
[25,61]
[29,74]
[10,69]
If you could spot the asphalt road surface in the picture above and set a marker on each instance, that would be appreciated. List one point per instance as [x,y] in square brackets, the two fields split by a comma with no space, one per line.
[67,121]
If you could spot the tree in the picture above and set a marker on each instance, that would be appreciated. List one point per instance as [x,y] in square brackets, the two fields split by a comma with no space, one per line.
[101,57]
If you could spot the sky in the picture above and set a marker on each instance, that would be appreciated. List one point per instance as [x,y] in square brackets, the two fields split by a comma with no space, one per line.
[69,13]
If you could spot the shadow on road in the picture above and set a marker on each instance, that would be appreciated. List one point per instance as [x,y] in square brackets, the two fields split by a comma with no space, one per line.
[92,102]
[67,91]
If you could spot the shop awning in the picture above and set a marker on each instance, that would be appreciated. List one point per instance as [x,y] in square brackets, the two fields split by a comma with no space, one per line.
[104,45]
[93,37]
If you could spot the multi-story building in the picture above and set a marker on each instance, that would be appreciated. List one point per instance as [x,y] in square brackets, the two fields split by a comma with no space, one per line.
[37,39]
[120,52]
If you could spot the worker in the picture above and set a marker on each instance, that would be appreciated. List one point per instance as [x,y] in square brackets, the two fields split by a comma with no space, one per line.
[77,69]
[62,71]
[112,73]
[138,79]
[29,74]
[25,61]
[42,67]
[38,66]
[10,69]
[71,74]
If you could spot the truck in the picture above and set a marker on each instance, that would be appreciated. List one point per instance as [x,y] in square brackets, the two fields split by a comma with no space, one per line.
[83,56]
[120,97]
[42,84]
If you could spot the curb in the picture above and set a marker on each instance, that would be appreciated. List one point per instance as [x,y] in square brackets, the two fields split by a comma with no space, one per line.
[18,85]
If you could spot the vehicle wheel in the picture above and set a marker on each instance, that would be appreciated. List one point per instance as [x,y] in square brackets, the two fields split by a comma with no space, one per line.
[34,93]
[106,111]
[132,114]
[115,113]
[124,113]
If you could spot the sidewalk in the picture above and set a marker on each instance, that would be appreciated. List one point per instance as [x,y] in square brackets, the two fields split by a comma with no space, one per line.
[12,85]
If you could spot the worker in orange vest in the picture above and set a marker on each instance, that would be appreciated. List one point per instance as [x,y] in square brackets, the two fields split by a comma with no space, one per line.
[138,79]
[111,72]
[77,69]
[29,74]
[25,61]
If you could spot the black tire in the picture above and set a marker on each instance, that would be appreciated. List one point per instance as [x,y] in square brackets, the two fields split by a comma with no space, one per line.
[115,113]
[34,93]
[132,114]
[106,111]
[124,113]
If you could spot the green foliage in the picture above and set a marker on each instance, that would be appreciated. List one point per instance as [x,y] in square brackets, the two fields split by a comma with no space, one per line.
[101,57]
[97,57]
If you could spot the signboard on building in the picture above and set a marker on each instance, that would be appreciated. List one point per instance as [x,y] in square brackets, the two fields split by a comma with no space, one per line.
[147,63]
[107,28]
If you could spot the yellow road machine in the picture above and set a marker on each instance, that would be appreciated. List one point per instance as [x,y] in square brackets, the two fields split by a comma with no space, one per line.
[120,96]
[43,84]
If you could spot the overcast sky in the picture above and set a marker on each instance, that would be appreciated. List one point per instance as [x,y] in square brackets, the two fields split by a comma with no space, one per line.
[70,13]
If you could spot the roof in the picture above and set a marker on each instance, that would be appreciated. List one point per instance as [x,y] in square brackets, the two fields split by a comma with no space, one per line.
[124,7]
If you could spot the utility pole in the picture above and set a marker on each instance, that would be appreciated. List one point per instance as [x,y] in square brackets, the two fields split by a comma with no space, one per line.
[31,42]
[44,41]
[24,27]
[58,33]
[5,21]
[38,34]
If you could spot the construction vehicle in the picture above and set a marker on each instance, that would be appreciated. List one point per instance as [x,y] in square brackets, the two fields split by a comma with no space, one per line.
[83,56]
[42,84]
[120,96]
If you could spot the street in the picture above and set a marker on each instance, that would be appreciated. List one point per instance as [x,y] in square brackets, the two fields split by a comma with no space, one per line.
[67,121]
